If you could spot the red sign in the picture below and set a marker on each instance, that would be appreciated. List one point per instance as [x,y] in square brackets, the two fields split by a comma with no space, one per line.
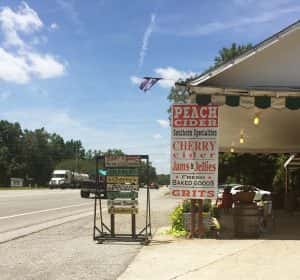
[193,115]
[194,151]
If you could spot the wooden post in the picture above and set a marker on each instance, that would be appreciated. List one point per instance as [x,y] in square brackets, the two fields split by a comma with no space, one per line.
[286,180]
[193,220]
[112,225]
[133,225]
[200,218]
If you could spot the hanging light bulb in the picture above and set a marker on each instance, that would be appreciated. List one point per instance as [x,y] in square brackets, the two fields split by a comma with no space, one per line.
[256,120]
[242,140]
[231,150]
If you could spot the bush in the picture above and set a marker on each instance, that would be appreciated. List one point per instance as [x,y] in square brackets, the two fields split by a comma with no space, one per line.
[177,228]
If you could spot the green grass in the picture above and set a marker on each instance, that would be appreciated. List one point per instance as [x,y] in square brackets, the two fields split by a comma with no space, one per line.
[20,188]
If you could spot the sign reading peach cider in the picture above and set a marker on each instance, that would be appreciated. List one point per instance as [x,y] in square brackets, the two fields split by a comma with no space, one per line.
[194,151]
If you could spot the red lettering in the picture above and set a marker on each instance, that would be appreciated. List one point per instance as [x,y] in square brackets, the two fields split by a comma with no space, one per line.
[185,193]
[210,193]
[201,193]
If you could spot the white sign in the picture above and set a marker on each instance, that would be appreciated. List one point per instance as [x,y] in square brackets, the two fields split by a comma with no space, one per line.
[194,151]
[16,182]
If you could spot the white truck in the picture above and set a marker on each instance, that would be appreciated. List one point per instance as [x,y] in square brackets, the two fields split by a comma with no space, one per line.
[68,179]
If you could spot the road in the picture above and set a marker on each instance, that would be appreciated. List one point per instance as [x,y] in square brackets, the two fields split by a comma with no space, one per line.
[20,210]
[47,234]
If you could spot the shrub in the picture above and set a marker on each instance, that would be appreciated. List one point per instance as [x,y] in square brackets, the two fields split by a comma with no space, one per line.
[177,228]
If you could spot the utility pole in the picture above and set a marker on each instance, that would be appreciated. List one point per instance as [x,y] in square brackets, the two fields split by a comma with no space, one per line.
[76,155]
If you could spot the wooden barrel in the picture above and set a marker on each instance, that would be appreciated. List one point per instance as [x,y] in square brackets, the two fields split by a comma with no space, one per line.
[246,221]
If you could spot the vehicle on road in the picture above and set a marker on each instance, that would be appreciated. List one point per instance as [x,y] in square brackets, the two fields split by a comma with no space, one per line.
[68,179]
[259,193]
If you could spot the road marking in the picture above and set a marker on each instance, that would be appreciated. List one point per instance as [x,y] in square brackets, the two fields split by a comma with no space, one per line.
[18,233]
[42,211]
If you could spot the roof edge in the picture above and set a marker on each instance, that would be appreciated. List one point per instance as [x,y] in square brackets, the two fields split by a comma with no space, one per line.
[257,48]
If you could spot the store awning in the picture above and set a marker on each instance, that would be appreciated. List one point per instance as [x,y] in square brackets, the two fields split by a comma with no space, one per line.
[255,121]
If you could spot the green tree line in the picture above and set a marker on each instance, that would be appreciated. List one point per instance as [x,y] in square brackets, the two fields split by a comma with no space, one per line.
[34,154]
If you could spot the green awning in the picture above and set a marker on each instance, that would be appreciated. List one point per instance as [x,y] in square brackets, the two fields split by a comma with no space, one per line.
[261,102]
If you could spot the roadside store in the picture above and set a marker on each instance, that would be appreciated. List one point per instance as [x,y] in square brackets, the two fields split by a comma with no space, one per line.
[258,94]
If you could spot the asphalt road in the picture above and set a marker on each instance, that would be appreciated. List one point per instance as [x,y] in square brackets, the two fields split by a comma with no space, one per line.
[47,234]
[24,209]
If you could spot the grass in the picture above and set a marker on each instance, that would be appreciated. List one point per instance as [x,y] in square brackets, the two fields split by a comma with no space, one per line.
[20,188]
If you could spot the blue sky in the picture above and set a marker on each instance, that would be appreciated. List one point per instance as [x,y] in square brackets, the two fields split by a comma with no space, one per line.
[73,66]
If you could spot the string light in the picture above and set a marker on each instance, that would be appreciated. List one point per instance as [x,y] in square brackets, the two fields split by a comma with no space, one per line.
[242,139]
[256,120]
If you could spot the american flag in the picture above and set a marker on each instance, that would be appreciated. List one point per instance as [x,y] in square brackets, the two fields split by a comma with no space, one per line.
[148,83]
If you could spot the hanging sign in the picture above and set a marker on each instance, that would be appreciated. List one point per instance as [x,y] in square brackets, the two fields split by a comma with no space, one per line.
[194,151]
[122,161]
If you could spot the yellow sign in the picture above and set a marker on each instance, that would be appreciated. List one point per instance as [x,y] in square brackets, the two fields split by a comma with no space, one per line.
[130,180]
[122,210]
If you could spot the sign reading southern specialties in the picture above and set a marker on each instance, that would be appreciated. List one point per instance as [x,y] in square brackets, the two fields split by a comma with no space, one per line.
[122,161]
[194,151]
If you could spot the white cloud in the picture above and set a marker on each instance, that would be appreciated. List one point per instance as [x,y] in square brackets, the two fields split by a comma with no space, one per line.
[157,136]
[20,68]
[163,123]
[136,80]
[19,63]
[170,75]
[54,26]
[13,68]
[146,39]
[24,20]
[45,66]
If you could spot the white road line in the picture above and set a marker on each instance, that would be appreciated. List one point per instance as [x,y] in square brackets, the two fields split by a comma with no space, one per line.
[42,211]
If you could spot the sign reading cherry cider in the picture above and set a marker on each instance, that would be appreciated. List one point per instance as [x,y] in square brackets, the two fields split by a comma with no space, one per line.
[194,151]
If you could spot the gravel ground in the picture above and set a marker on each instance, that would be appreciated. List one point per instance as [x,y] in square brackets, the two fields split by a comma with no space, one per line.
[68,251]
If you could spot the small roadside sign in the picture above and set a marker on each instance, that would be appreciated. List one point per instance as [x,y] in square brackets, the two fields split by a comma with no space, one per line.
[122,210]
[122,194]
[129,180]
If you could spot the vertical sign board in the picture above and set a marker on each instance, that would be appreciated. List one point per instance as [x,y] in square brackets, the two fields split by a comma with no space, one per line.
[194,151]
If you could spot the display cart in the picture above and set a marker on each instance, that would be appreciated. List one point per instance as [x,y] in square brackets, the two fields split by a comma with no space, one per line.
[104,232]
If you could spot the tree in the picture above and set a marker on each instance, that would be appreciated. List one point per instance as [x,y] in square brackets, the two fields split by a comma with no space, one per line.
[163,179]
[11,161]
[38,156]
[226,54]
